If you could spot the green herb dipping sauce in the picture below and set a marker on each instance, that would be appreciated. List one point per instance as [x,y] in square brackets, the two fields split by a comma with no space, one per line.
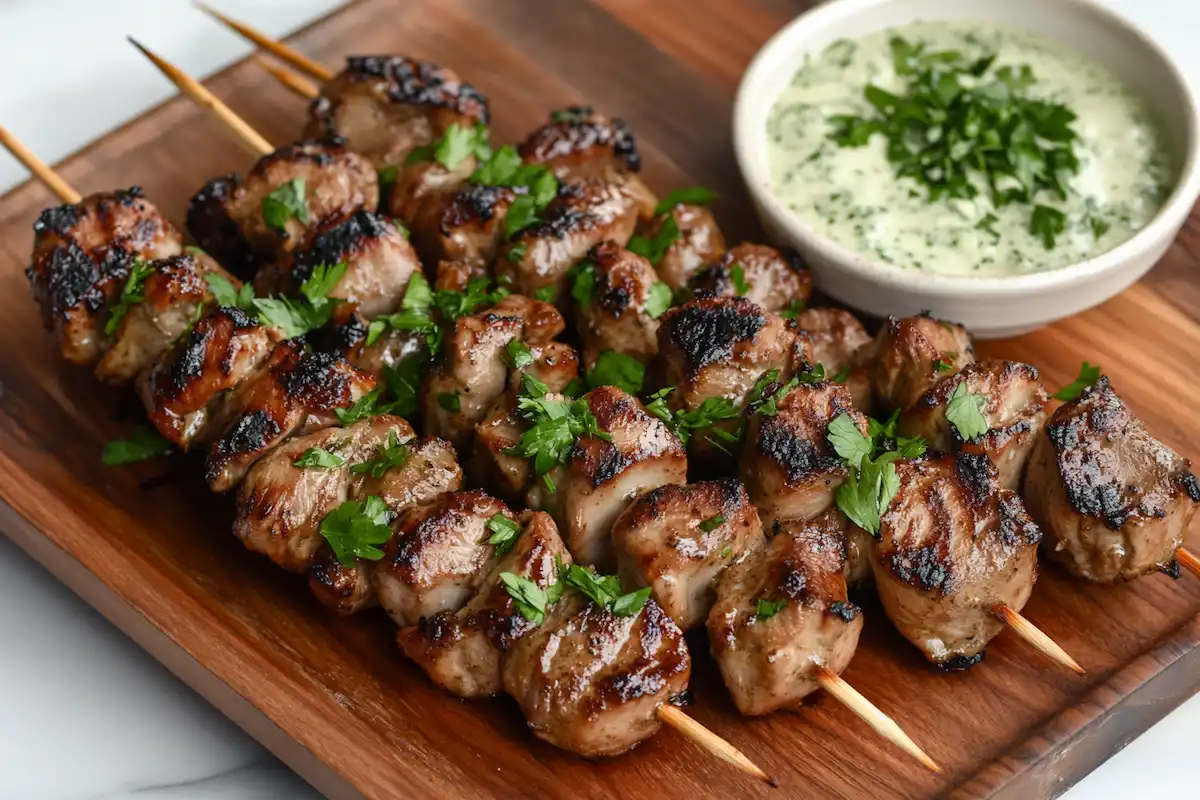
[852,194]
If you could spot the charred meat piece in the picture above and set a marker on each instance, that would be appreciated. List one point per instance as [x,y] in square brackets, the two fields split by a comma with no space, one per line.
[718,348]
[379,261]
[321,179]
[592,682]
[467,225]
[473,372]
[788,464]
[187,393]
[679,539]
[82,256]
[911,355]
[295,391]
[837,340]
[173,294]
[861,546]
[1014,408]
[622,309]
[438,556]
[386,106]
[759,273]
[430,468]
[582,216]
[1114,502]
[953,545]
[602,475]
[781,616]
[425,188]
[461,650]
[281,505]
[700,241]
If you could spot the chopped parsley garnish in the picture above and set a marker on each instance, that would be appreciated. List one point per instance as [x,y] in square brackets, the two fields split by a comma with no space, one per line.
[658,299]
[478,294]
[961,127]
[143,444]
[617,369]
[504,534]
[1088,374]
[354,528]
[795,308]
[392,455]
[517,354]
[726,551]
[942,365]
[363,407]
[517,252]
[556,424]
[583,283]
[454,146]
[1099,227]
[654,248]
[450,401]
[296,317]
[712,523]
[286,202]
[605,590]
[685,423]
[387,177]
[535,184]
[692,196]
[737,276]
[224,292]
[769,608]
[319,458]
[404,382]
[848,441]
[131,294]
[842,374]
[530,600]
[965,413]
[871,480]
[547,294]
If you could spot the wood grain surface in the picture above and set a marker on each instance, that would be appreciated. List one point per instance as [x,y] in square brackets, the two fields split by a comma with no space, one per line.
[336,698]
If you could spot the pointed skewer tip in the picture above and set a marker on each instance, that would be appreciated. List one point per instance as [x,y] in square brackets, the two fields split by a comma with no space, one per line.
[49,178]
[1188,560]
[1035,637]
[713,744]
[279,49]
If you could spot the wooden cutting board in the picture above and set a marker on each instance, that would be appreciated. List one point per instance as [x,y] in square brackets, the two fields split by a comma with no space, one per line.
[335,699]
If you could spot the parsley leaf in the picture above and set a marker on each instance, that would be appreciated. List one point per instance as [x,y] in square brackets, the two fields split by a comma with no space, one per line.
[504,534]
[556,424]
[453,304]
[942,365]
[712,523]
[450,401]
[387,177]
[654,248]
[617,369]
[547,294]
[658,299]
[769,608]
[131,294]
[737,276]
[392,455]
[319,458]
[297,317]
[286,202]
[1088,374]
[528,598]
[693,196]
[355,527]
[404,383]
[517,354]
[225,294]
[1099,227]
[795,308]
[455,145]
[143,444]
[1047,223]
[605,590]
[848,441]
[684,423]
[517,252]
[522,214]
[965,413]
[363,407]
[583,283]
[868,491]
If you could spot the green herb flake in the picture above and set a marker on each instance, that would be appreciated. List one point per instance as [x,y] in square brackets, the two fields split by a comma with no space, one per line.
[848,441]
[319,458]
[392,455]
[712,523]
[605,590]
[354,528]
[504,534]
[1047,223]
[658,299]
[617,369]
[769,608]
[387,177]
[794,309]
[692,196]
[1088,374]
[654,248]
[583,283]
[547,294]
[529,599]
[517,354]
[285,203]
[143,444]
[228,295]
[131,294]
[450,401]
[965,413]
[737,276]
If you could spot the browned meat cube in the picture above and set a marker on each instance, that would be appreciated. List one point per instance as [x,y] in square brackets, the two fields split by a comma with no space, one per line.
[911,355]
[679,539]
[623,306]
[466,225]
[781,616]
[759,273]
[700,241]
[1114,502]
[1014,411]
[82,256]
[953,545]
[838,340]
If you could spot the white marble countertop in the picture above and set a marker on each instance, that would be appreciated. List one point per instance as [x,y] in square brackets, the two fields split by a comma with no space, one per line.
[83,712]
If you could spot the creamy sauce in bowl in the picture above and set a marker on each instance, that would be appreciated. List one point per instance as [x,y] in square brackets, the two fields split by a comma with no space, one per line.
[839,179]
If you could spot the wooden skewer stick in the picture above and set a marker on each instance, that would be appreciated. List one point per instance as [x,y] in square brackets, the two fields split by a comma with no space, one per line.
[195,90]
[293,57]
[39,168]
[1034,636]
[884,725]
[709,741]
[298,84]
[1188,560]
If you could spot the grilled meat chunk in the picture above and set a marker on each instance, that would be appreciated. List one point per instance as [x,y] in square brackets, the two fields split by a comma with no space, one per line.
[293,392]
[759,273]
[379,261]
[910,355]
[788,464]
[679,539]
[782,615]
[387,106]
[1014,408]
[603,475]
[582,216]
[429,469]
[621,307]
[426,187]
[438,556]
[717,348]
[473,373]
[281,505]
[699,242]
[186,394]
[953,545]
[859,552]
[461,650]
[241,221]
[173,296]
[82,256]
[1114,502]
[837,341]
[466,225]
[592,682]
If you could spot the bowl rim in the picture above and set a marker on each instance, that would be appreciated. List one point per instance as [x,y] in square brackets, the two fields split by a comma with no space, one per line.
[1164,224]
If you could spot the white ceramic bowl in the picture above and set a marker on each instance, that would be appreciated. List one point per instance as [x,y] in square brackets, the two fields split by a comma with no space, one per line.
[991,307]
